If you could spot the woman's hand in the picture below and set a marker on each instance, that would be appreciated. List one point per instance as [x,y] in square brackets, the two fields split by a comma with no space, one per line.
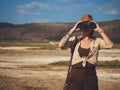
[74,28]
[98,29]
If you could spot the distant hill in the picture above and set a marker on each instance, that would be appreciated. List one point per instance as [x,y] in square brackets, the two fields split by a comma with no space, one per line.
[44,32]
[6,25]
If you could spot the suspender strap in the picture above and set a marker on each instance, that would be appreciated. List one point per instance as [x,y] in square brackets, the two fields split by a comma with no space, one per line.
[69,68]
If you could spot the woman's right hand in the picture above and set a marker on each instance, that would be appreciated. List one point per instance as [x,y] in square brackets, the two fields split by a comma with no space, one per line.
[74,28]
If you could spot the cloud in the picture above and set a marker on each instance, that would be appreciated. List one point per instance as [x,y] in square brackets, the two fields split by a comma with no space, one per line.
[33,5]
[39,5]
[35,8]
[25,12]
[33,12]
[21,12]
[110,8]
[112,12]
[31,18]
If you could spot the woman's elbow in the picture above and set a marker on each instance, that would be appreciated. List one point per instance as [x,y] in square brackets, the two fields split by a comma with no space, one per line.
[110,45]
[61,47]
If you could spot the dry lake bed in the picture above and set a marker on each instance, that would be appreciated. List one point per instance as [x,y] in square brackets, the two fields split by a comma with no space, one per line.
[23,69]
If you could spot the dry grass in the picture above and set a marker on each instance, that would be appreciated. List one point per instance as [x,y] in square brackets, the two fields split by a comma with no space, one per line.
[18,75]
[50,78]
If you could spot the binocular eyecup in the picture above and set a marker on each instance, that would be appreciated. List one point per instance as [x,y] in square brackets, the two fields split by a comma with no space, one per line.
[86,24]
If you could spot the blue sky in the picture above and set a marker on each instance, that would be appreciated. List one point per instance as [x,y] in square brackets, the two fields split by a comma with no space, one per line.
[41,11]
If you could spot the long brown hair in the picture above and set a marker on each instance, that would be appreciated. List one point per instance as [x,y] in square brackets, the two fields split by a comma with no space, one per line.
[91,34]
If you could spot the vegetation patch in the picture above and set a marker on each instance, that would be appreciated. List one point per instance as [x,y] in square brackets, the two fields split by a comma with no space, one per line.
[116,46]
[33,45]
[60,63]
[112,64]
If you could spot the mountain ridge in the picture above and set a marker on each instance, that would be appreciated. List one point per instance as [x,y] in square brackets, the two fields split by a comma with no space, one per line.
[45,32]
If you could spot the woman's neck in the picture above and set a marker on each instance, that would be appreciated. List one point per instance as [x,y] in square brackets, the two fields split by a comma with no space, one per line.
[85,42]
[87,38]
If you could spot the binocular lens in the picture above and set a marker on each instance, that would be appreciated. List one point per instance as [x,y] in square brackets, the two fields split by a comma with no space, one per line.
[86,24]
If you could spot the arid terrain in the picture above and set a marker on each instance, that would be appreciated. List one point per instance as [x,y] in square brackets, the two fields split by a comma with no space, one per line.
[22,69]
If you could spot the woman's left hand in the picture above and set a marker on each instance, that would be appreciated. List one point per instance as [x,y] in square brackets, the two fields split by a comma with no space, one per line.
[98,29]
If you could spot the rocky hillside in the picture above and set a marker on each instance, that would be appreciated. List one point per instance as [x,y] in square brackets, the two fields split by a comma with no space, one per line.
[44,32]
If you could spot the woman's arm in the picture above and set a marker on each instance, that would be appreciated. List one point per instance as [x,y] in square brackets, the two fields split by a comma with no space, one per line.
[105,37]
[64,43]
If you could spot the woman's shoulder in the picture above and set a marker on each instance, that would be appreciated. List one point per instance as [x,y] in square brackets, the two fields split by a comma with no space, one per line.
[72,38]
[97,39]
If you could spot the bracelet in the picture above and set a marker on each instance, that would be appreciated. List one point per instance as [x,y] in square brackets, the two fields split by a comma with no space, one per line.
[65,39]
[67,35]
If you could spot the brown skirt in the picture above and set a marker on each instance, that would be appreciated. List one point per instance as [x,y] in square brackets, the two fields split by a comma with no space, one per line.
[83,78]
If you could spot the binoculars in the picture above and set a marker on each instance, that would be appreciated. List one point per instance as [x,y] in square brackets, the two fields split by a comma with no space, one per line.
[86,24]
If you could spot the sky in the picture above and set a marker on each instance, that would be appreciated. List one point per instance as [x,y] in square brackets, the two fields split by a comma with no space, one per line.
[43,11]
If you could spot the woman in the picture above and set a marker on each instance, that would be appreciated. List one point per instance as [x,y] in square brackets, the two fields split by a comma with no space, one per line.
[83,72]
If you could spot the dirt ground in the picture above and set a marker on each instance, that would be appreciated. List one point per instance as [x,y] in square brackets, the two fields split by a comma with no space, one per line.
[19,70]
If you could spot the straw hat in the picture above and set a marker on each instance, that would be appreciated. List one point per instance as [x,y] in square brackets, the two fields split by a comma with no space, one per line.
[86,17]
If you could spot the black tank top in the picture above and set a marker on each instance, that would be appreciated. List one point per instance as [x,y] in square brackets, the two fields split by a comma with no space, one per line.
[83,52]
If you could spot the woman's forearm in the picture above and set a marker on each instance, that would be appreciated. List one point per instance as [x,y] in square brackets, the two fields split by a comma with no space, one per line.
[63,41]
[105,37]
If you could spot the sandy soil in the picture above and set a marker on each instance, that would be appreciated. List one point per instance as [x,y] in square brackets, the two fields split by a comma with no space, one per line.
[24,70]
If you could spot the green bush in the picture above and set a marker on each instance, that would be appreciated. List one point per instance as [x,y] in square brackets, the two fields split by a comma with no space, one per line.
[113,64]
[60,63]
